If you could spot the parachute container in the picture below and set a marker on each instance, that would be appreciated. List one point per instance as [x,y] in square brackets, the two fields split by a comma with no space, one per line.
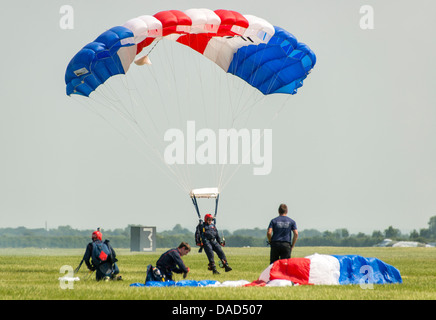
[205,193]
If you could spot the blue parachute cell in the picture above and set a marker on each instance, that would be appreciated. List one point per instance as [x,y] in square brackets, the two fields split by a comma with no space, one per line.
[355,269]
[181,283]
[97,62]
[137,284]
[194,283]
[279,66]
[160,283]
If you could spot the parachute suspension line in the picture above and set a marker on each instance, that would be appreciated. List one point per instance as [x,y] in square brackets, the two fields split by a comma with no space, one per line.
[140,129]
[154,46]
[258,141]
[176,47]
[239,104]
[256,99]
[180,174]
[158,140]
[214,98]
[194,201]
[108,84]
[170,71]
[248,105]
[241,86]
[92,108]
[143,106]
[150,69]
[202,82]
[133,124]
[183,173]
[262,134]
[170,54]
[125,108]
[242,109]
[135,129]
[216,205]
[227,119]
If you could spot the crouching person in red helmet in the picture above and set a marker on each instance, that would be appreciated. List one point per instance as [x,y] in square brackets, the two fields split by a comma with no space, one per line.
[207,237]
[100,257]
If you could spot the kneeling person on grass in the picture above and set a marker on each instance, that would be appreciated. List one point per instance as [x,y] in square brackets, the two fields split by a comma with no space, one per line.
[100,257]
[169,262]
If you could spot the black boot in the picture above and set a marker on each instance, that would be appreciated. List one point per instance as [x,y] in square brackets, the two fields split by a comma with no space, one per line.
[227,268]
[212,267]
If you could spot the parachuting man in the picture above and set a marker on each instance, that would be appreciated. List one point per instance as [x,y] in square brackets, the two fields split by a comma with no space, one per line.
[279,234]
[207,237]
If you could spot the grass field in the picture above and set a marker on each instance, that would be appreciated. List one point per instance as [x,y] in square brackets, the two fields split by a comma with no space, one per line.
[32,274]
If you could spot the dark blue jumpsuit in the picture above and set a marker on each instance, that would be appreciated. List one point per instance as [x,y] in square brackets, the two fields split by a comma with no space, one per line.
[169,262]
[108,268]
[209,236]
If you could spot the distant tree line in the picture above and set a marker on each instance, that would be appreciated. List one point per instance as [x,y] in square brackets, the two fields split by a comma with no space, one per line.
[67,237]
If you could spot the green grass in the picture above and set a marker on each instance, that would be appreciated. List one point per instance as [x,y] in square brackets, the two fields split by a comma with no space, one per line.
[28,274]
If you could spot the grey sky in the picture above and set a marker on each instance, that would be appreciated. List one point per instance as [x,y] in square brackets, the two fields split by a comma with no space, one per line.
[355,148]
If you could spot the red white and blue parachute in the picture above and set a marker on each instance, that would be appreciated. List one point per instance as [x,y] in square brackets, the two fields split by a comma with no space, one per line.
[316,269]
[267,57]
[331,270]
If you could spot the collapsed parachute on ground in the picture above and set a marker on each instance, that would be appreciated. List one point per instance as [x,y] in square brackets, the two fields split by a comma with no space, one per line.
[267,57]
[316,269]
[331,270]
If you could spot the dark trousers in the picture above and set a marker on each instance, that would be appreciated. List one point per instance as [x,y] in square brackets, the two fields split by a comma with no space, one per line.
[209,247]
[106,270]
[280,250]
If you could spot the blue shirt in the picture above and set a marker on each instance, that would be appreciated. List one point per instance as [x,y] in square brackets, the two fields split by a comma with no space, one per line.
[282,228]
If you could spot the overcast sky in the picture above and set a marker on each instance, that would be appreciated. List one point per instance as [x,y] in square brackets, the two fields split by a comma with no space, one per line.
[355,148]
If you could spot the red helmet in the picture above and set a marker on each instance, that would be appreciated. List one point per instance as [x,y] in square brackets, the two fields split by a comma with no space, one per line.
[207,216]
[96,235]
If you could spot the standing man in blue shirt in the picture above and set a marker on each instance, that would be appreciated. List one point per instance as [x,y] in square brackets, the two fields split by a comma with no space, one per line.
[279,235]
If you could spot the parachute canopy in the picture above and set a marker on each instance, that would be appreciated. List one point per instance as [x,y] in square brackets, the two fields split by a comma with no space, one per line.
[267,57]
